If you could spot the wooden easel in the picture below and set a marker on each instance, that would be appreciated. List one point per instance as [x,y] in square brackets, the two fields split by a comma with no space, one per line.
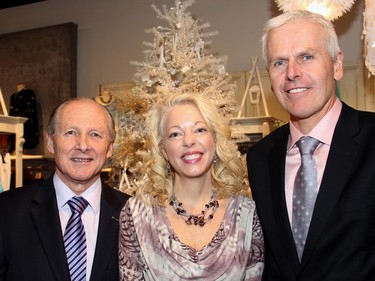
[254,90]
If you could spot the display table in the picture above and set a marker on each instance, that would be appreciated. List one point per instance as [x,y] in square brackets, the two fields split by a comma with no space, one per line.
[14,125]
[254,125]
[246,131]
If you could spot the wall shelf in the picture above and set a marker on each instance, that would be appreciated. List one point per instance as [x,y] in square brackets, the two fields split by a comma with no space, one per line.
[14,125]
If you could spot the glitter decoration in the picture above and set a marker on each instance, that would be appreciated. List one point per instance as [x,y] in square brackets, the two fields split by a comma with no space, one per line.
[368,35]
[330,9]
[129,111]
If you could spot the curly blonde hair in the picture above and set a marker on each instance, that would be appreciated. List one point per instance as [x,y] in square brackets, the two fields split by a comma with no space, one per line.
[227,171]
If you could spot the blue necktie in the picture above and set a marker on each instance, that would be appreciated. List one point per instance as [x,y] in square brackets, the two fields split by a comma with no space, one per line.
[75,240]
[304,192]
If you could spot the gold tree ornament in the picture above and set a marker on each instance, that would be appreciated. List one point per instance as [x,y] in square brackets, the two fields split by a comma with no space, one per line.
[129,112]
[330,9]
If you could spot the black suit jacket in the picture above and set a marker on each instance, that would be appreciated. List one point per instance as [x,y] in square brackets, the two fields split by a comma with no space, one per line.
[31,240]
[341,240]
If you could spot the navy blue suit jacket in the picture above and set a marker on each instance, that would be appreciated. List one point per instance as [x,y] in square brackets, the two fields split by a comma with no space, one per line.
[341,240]
[31,241]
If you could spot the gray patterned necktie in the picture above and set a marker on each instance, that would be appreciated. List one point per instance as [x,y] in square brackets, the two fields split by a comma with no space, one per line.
[304,192]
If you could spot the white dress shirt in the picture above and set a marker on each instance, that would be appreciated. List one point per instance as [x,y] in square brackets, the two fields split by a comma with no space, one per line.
[90,216]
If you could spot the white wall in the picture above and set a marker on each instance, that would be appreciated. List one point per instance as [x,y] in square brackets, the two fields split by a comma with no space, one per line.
[111,32]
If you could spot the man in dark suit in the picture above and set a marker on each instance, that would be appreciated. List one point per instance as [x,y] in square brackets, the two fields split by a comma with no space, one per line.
[33,219]
[304,61]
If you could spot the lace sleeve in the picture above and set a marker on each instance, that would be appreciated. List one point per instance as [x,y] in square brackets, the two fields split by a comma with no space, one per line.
[256,263]
[130,261]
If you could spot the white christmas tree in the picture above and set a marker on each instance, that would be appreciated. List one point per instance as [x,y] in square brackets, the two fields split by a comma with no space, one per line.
[177,61]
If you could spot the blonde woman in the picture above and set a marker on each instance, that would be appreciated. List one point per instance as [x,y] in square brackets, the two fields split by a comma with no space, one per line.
[191,219]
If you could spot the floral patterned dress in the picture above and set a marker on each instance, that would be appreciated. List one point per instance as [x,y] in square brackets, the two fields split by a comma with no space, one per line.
[150,250]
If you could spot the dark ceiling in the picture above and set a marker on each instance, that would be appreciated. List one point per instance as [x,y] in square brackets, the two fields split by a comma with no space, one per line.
[4,4]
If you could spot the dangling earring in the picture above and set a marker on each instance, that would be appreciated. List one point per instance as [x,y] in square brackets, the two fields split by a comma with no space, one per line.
[168,168]
[214,160]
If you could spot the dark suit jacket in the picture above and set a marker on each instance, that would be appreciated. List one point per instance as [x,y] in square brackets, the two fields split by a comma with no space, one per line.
[31,240]
[341,240]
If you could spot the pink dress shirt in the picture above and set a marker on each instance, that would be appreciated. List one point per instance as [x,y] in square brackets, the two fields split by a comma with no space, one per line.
[323,131]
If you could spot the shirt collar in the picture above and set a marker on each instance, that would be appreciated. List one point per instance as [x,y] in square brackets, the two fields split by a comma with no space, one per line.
[64,193]
[323,131]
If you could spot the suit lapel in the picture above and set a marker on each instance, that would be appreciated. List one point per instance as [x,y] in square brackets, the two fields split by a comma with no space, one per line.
[47,222]
[335,176]
[107,239]
[277,178]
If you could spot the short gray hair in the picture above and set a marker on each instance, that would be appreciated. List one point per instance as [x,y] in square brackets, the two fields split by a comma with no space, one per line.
[332,45]
[55,116]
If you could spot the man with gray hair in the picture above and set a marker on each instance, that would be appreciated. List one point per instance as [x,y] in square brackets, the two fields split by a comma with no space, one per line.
[313,179]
